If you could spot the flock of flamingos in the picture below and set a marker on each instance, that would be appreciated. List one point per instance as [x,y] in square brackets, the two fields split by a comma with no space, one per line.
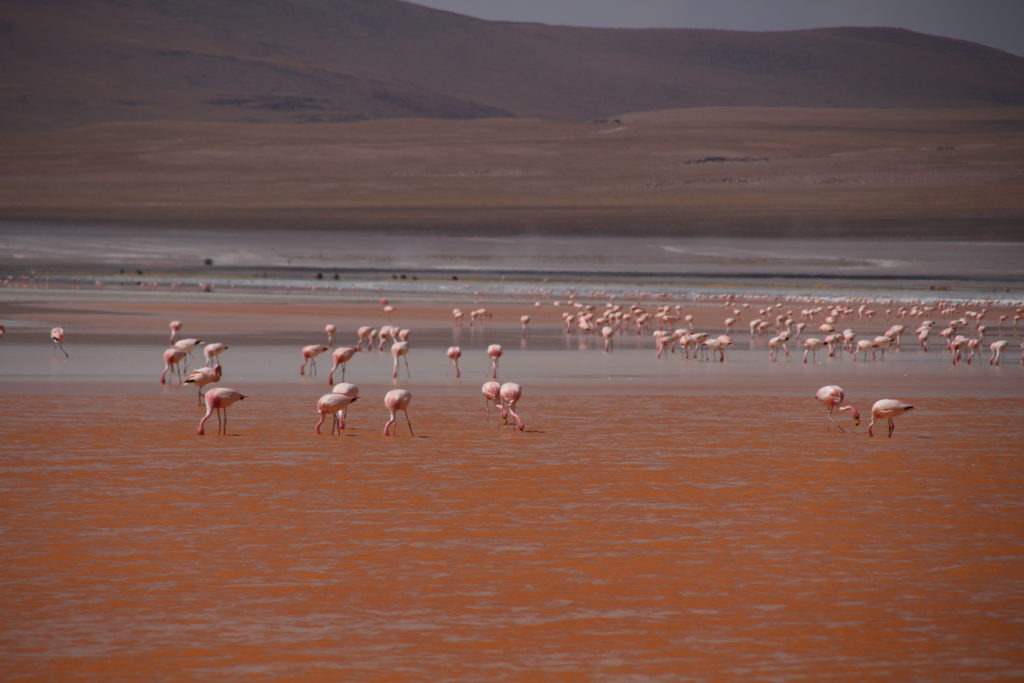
[785,326]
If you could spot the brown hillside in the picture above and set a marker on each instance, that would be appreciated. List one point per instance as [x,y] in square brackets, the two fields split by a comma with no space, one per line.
[75,62]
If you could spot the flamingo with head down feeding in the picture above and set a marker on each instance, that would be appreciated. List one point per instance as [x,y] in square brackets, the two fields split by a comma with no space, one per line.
[510,394]
[309,354]
[395,400]
[887,408]
[454,353]
[218,400]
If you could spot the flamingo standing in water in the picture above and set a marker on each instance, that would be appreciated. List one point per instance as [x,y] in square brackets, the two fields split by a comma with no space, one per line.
[57,337]
[202,377]
[454,353]
[887,408]
[395,400]
[330,330]
[309,354]
[492,395]
[524,320]
[175,329]
[350,390]
[365,333]
[219,399]
[400,349]
[342,355]
[494,353]
[172,357]
[187,345]
[997,348]
[831,395]
[211,351]
[811,345]
[510,395]
[607,332]
[334,403]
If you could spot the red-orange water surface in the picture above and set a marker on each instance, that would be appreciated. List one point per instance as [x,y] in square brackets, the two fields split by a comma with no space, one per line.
[705,526]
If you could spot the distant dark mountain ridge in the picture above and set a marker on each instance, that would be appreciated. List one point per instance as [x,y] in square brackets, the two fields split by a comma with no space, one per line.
[76,62]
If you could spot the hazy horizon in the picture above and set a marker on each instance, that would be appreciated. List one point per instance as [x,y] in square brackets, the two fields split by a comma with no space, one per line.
[995,23]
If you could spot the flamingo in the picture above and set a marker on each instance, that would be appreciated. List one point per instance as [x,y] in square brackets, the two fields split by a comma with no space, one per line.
[365,333]
[492,393]
[494,352]
[2,331]
[187,345]
[607,332]
[400,349]
[175,329]
[386,333]
[219,398]
[342,355]
[811,345]
[350,390]
[172,357]
[997,348]
[309,354]
[330,330]
[395,400]
[887,408]
[864,345]
[57,336]
[334,404]
[454,353]
[524,320]
[831,395]
[211,351]
[203,376]
[510,393]
[854,413]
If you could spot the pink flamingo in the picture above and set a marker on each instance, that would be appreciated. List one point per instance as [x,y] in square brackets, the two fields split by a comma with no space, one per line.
[365,334]
[219,398]
[57,337]
[454,353]
[330,330]
[172,357]
[831,395]
[494,353]
[187,345]
[607,332]
[202,377]
[211,351]
[492,395]
[811,345]
[386,333]
[342,355]
[175,329]
[400,349]
[524,320]
[510,395]
[309,354]
[997,348]
[395,400]
[887,408]
[334,404]
[348,389]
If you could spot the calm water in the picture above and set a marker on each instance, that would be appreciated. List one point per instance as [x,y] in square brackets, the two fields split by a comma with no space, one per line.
[382,261]
[619,537]
[656,520]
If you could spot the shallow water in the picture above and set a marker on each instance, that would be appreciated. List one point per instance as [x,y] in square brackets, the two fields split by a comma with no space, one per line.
[426,263]
[615,537]
[657,519]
